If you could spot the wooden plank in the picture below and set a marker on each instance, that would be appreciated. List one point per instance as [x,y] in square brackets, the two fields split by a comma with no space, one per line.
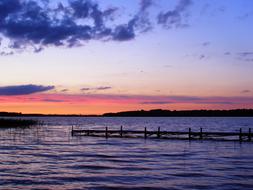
[249,135]
[201,134]
[106,132]
[166,132]
[190,135]
[240,135]
[158,133]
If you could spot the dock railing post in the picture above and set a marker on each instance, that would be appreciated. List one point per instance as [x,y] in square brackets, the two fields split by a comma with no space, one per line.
[106,132]
[121,131]
[145,132]
[190,133]
[249,137]
[201,133]
[158,133]
[240,135]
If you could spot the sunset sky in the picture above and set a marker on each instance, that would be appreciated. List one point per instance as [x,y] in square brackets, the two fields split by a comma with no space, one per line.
[92,57]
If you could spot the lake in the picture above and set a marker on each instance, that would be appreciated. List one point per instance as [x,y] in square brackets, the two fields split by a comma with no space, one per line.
[48,157]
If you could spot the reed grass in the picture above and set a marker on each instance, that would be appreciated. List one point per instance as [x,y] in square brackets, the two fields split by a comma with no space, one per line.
[17,123]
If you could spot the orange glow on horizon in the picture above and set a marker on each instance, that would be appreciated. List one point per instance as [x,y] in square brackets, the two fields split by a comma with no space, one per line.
[100,109]
[101,103]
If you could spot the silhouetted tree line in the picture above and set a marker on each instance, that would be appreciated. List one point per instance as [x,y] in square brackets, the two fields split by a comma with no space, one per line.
[10,114]
[184,113]
[14,114]
[152,113]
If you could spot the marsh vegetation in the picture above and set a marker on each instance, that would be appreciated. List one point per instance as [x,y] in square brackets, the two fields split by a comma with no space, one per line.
[17,123]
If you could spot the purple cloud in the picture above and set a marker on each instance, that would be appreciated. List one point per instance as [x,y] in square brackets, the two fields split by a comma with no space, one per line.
[85,89]
[174,18]
[156,102]
[23,89]
[65,90]
[103,88]
[100,88]
[52,100]
[36,25]
[205,44]
[202,56]
[245,91]
[246,56]
[145,4]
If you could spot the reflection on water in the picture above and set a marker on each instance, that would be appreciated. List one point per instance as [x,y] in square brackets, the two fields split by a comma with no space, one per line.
[47,157]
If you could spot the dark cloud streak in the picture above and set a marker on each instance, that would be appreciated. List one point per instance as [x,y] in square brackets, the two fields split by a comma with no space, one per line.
[245,91]
[103,88]
[245,56]
[85,89]
[23,89]
[205,44]
[100,88]
[159,103]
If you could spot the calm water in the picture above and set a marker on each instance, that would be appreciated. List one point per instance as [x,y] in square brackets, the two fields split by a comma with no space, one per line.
[47,157]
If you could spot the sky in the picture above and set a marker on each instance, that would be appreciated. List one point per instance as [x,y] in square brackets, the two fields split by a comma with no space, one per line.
[93,57]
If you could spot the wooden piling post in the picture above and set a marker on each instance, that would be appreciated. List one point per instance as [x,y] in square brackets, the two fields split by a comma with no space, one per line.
[145,132]
[249,137]
[72,131]
[201,133]
[88,132]
[190,133]
[106,132]
[158,133]
[121,131]
[240,135]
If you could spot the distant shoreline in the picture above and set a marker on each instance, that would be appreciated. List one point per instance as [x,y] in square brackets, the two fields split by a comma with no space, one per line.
[150,113]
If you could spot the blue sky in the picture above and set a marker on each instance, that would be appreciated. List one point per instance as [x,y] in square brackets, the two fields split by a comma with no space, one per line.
[158,48]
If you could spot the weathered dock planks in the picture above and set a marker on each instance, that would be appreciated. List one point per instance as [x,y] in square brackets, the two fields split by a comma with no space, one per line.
[180,135]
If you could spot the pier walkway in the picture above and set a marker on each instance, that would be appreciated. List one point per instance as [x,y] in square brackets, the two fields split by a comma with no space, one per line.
[188,135]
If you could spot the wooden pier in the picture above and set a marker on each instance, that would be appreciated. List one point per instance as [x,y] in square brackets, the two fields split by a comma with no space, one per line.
[187,135]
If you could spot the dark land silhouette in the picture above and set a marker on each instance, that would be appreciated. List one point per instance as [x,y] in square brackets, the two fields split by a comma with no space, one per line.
[184,113]
[150,113]
[19,114]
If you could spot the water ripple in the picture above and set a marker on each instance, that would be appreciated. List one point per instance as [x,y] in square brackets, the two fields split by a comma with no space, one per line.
[48,157]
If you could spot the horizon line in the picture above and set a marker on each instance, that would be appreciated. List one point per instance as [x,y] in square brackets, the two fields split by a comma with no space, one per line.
[106,113]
